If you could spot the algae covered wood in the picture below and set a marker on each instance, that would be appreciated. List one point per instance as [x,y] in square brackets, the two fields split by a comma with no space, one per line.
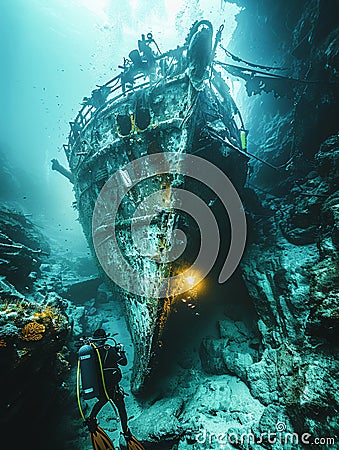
[172,108]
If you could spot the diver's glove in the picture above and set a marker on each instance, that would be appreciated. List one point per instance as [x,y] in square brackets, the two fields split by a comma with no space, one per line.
[122,360]
[91,423]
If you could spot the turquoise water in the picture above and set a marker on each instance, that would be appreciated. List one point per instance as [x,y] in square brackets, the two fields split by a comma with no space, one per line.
[54,53]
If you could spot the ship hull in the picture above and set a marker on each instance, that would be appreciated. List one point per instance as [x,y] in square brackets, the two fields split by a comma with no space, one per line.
[169,116]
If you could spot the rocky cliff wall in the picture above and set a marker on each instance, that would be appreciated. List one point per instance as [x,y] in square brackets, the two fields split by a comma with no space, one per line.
[33,331]
[291,263]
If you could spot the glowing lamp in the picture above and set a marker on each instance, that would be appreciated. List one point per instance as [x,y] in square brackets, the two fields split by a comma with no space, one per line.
[190,281]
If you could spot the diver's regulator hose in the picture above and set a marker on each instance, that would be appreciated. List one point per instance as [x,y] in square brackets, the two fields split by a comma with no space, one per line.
[78,393]
[103,384]
[103,379]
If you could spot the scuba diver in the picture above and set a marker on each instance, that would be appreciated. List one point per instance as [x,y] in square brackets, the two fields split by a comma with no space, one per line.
[140,61]
[98,366]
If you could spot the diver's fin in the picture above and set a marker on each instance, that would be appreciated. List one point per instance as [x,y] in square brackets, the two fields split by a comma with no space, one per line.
[133,444]
[100,440]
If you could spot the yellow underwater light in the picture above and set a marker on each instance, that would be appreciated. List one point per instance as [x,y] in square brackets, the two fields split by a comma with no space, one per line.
[190,280]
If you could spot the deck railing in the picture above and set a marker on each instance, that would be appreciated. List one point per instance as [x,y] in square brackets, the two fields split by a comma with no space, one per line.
[119,90]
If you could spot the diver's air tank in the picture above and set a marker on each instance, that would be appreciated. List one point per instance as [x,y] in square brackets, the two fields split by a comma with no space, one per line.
[89,372]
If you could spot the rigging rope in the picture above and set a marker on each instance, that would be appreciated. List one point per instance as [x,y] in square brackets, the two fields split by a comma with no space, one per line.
[103,379]
[238,59]
[273,75]
[221,139]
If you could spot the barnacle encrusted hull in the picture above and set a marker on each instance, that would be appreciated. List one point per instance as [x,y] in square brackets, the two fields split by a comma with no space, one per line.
[173,112]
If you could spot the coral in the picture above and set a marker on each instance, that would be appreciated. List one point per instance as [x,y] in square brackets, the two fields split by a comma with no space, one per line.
[3,343]
[49,316]
[16,312]
[33,331]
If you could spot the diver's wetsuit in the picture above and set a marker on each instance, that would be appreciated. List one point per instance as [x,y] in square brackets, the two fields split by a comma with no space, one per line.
[111,358]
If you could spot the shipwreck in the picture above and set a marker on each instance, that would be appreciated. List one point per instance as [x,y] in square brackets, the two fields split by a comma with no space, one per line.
[174,102]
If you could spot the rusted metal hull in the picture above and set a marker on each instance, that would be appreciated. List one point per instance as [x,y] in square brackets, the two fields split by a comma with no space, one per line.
[168,115]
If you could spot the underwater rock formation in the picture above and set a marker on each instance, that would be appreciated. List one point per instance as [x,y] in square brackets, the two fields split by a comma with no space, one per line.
[21,247]
[33,330]
[32,336]
[291,261]
[291,271]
